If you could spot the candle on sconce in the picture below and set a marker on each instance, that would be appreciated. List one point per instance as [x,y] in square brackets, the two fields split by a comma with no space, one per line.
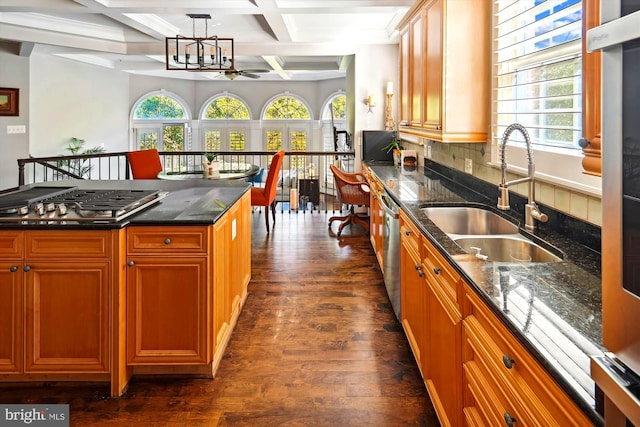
[389,88]
[370,101]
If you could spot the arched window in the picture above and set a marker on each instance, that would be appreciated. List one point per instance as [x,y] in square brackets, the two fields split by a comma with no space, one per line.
[334,113]
[289,112]
[225,123]
[288,127]
[159,120]
[287,108]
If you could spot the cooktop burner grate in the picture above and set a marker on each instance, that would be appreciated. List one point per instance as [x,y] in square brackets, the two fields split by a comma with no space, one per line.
[104,200]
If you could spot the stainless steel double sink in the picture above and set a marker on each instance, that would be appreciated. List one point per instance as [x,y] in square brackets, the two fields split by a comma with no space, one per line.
[487,235]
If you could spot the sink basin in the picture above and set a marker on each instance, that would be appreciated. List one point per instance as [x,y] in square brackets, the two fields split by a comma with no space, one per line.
[505,249]
[469,220]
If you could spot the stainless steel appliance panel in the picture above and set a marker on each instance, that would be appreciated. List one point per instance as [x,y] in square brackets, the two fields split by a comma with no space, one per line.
[391,250]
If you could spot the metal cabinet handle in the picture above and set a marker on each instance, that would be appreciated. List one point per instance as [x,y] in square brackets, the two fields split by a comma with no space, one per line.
[167,241]
[131,263]
[13,268]
[26,268]
[407,233]
[508,362]
[583,142]
[420,273]
[416,266]
[436,270]
[509,420]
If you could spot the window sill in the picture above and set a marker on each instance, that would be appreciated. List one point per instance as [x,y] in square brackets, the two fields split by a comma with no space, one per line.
[558,167]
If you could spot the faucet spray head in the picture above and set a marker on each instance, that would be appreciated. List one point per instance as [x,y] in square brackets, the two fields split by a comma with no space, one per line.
[503,197]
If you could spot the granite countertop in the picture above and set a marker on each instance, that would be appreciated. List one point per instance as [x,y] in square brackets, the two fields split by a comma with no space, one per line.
[554,309]
[187,202]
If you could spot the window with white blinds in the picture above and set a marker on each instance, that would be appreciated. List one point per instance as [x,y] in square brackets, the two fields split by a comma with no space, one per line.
[538,70]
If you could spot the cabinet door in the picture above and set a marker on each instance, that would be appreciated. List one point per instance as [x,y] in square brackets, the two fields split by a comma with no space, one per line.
[376,226]
[67,316]
[443,365]
[404,79]
[417,68]
[221,279]
[433,66]
[167,310]
[412,300]
[242,237]
[11,303]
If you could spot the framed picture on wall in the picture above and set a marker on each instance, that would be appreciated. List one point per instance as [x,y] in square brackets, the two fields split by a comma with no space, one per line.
[9,101]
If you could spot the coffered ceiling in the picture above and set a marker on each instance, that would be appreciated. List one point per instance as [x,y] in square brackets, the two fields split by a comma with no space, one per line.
[293,39]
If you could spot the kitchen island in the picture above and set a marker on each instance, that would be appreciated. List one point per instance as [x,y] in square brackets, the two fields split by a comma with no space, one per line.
[157,292]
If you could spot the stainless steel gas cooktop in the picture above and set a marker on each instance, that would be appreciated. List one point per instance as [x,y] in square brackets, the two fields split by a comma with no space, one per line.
[71,204]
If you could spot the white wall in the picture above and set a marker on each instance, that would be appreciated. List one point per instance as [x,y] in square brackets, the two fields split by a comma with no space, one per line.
[72,99]
[374,67]
[14,73]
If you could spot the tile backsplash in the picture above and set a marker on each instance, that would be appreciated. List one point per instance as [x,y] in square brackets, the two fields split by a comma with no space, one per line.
[582,206]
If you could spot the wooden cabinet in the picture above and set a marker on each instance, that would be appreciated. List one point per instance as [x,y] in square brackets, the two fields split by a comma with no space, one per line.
[232,271]
[445,70]
[503,382]
[55,301]
[442,362]
[11,301]
[102,305]
[376,217]
[591,94]
[167,295]
[412,281]
[476,371]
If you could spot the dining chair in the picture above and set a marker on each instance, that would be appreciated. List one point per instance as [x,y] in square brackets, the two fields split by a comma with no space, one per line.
[353,190]
[266,196]
[145,164]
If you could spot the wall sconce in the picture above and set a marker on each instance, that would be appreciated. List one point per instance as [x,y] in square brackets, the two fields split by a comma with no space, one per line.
[370,102]
[388,124]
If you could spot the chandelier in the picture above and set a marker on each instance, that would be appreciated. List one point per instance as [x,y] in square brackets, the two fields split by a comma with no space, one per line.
[199,53]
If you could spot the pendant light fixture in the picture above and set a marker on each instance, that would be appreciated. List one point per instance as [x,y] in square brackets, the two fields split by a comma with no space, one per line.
[199,53]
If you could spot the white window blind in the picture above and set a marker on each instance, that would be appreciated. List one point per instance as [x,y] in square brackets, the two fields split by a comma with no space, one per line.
[538,70]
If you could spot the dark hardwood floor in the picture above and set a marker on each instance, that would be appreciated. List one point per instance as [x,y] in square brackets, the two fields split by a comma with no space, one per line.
[317,344]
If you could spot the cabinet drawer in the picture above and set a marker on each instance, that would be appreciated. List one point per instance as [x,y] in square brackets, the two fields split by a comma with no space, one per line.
[446,278]
[490,406]
[162,240]
[483,376]
[409,233]
[525,382]
[11,245]
[52,244]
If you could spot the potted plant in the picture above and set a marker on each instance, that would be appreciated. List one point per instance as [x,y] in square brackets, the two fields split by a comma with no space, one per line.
[396,147]
[210,164]
[79,167]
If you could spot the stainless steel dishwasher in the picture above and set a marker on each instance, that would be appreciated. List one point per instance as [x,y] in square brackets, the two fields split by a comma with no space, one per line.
[391,250]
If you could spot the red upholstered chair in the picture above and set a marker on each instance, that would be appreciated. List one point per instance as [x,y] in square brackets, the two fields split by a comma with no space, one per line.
[145,164]
[266,196]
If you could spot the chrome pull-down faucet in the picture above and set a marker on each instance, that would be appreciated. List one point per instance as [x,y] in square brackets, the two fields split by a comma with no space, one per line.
[532,212]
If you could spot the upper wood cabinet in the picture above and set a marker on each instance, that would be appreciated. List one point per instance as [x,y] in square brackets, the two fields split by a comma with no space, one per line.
[591,99]
[445,70]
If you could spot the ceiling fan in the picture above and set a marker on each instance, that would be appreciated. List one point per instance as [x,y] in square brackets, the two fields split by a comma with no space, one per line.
[251,73]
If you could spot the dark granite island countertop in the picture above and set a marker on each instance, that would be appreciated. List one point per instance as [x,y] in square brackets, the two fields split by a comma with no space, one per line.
[187,202]
[554,309]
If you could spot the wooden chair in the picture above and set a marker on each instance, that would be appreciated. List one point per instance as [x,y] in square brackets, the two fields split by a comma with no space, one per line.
[266,196]
[145,164]
[353,190]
